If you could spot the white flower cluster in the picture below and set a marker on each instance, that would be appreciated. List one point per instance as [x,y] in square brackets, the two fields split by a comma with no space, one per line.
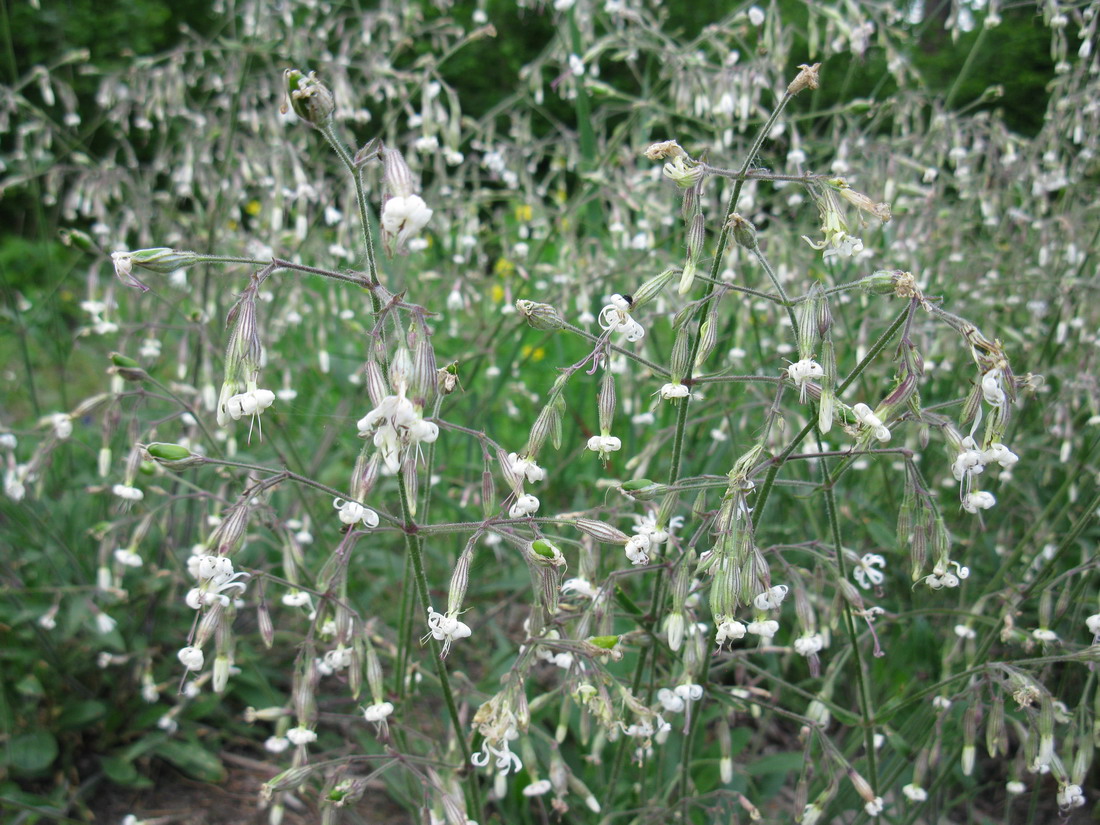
[520,470]
[395,426]
[972,461]
[216,577]
[615,317]
[680,697]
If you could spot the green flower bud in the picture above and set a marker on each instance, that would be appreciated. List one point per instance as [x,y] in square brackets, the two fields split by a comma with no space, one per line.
[540,316]
[310,99]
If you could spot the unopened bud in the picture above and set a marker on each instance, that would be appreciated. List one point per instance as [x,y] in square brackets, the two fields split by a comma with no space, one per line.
[310,99]
[652,288]
[680,362]
[606,401]
[173,456]
[744,233]
[708,336]
[601,531]
[164,260]
[540,316]
[286,781]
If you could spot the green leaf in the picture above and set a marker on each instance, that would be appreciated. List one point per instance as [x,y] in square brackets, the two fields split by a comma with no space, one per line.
[122,772]
[81,714]
[193,759]
[780,763]
[31,753]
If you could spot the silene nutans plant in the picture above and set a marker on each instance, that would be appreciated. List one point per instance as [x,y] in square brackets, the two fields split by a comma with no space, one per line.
[677,466]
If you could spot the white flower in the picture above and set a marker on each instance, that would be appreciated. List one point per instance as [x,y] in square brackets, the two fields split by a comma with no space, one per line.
[104,623]
[404,217]
[1015,787]
[771,598]
[446,628]
[1093,624]
[127,558]
[396,425]
[729,630]
[1070,796]
[998,453]
[991,388]
[915,793]
[539,788]
[865,574]
[941,702]
[378,712]
[62,424]
[338,658]
[979,500]
[191,658]
[296,598]
[615,317]
[526,505]
[8,441]
[216,576]
[301,735]
[576,65]
[637,549]
[580,586]
[765,630]
[756,15]
[253,403]
[1043,634]
[498,749]
[127,492]
[964,632]
[670,701]
[525,468]
[671,392]
[968,463]
[168,724]
[604,445]
[352,512]
[871,421]
[800,372]
[276,744]
[809,644]
[874,807]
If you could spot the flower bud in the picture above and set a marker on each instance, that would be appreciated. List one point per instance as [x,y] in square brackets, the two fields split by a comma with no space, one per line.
[680,362]
[540,316]
[606,401]
[310,99]
[744,233]
[164,260]
[708,336]
[285,781]
[652,288]
[601,531]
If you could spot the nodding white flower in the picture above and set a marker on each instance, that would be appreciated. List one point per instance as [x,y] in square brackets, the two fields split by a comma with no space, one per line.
[128,492]
[646,525]
[968,463]
[1043,634]
[253,403]
[498,749]
[62,424]
[1093,624]
[915,793]
[538,788]
[8,441]
[865,574]
[771,598]
[874,807]
[615,317]
[765,630]
[964,632]
[446,628]
[800,373]
[979,500]
[604,445]
[301,735]
[809,644]
[404,217]
[998,453]
[991,388]
[338,658]
[871,421]
[191,658]
[526,468]
[216,576]
[127,557]
[276,744]
[942,577]
[296,598]
[675,700]
[1070,796]
[378,713]
[1015,787]
[580,586]
[352,512]
[729,630]
[756,15]
[104,623]
[670,392]
[395,425]
[526,505]
[837,244]
[637,549]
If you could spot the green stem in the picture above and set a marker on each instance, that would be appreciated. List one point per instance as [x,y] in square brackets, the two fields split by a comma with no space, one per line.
[850,628]
[412,545]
